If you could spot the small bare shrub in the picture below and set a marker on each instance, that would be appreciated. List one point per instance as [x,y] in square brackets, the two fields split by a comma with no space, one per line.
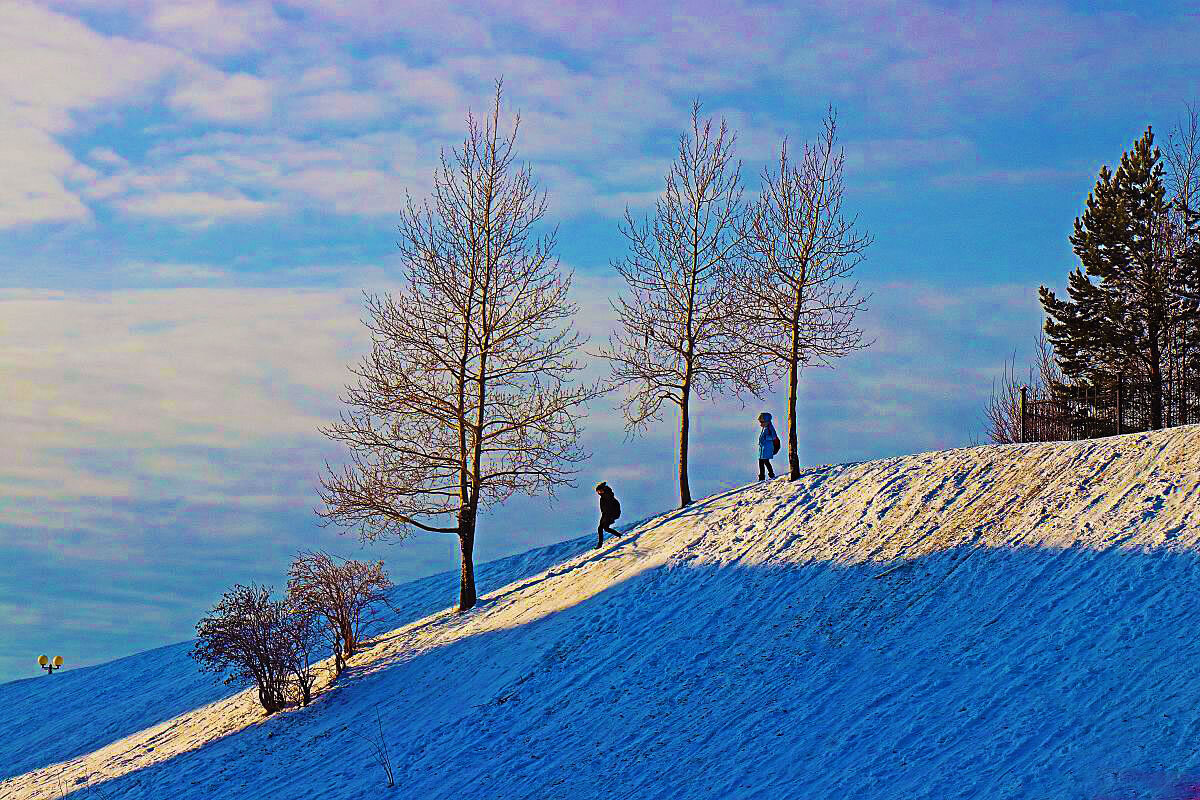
[250,636]
[302,633]
[1003,409]
[342,596]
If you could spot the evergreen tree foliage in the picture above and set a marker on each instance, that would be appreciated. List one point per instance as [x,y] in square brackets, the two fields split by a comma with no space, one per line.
[1129,294]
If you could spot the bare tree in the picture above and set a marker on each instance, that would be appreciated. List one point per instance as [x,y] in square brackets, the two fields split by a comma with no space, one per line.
[465,397]
[1182,155]
[1182,240]
[799,307]
[344,594]
[1003,409]
[677,338]
[244,637]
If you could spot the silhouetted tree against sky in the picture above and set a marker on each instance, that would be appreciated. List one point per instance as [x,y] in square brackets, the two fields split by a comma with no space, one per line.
[465,398]
[343,593]
[799,304]
[677,334]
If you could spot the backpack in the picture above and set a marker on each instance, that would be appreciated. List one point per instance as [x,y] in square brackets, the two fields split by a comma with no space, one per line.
[616,508]
[776,450]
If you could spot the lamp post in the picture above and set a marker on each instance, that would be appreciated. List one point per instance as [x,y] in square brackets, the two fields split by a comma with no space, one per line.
[50,664]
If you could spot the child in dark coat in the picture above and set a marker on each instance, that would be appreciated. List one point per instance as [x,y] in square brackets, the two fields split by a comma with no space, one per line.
[610,512]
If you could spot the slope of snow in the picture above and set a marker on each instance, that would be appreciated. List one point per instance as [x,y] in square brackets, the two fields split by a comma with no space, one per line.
[1000,622]
[41,723]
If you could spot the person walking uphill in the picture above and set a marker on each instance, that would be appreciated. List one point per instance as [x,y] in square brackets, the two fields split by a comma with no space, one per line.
[768,445]
[610,512]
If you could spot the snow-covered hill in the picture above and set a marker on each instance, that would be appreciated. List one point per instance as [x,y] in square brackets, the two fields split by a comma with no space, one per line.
[999,622]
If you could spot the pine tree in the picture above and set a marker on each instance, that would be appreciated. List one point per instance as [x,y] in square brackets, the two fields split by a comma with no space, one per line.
[1125,298]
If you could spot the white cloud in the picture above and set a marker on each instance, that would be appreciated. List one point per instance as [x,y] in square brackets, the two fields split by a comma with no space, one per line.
[36,170]
[107,157]
[106,390]
[212,177]
[325,76]
[431,88]
[53,68]
[202,207]
[166,273]
[593,88]
[214,95]
[209,26]
[339,106]
[447,25]
[348,191]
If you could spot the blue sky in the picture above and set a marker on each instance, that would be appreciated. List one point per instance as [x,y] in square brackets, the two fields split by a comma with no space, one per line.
[194,193]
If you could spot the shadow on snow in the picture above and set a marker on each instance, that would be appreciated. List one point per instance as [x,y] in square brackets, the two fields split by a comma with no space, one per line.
[1028,672]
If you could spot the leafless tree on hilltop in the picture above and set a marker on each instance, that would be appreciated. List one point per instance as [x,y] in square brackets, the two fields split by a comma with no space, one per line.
[465,398]
[678,324]
[799,305]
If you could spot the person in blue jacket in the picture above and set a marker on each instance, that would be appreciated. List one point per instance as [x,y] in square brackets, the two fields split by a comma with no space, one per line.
[768,445]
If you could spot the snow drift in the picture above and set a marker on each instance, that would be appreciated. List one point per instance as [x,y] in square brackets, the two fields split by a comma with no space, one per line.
[1007,621]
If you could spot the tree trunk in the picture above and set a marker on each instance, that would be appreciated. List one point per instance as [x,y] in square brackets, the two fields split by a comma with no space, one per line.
[466,545]
[793,447]
[1156,399]
[1156,382]
[793,382]
[685,491]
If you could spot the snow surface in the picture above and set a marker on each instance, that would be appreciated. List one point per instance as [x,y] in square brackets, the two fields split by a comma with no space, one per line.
[1004,622]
